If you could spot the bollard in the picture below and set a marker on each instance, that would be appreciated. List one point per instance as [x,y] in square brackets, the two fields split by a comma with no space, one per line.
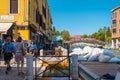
[74,67]
[41,52]
[29,67]
[117,77]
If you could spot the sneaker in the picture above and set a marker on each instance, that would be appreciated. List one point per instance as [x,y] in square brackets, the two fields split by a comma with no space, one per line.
[18,73]
[6,72]
[9,68]
[22,73]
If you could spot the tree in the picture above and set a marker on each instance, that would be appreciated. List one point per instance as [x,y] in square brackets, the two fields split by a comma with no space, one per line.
[85,36]
[108,39]
[65,34]
[101,34]
[108,35]
[53,31]
[57,33]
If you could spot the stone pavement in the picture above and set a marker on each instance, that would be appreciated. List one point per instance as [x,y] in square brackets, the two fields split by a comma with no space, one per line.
[12,75]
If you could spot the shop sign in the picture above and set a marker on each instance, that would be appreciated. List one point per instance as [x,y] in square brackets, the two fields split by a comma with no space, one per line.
[6,17]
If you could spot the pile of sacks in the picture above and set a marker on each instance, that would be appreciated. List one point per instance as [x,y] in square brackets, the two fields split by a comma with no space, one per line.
[95,54]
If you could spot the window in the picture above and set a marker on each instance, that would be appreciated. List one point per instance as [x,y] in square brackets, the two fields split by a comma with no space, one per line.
[119,22]
[13,6]
[29,7]
[119,31]
[44,11]
[114,23]
[114,15]
[114,31]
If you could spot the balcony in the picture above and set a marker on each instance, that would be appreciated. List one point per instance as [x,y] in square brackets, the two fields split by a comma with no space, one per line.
[113,26]
[114,15]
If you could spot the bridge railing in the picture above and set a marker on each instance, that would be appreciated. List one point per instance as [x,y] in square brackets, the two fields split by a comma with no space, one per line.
[90,40]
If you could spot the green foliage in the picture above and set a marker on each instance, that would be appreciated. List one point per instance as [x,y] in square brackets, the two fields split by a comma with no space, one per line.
[117,52]
[109,39]
[102,35]
[85,36]
[65,34]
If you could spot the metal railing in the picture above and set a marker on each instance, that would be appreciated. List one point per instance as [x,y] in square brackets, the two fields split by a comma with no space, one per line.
[53,62]
[86,74]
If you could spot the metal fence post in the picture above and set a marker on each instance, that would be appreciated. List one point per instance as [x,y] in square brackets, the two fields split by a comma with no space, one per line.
[75,67]
[29,67]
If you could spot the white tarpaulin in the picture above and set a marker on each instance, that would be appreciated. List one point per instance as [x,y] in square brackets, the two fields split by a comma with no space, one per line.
[5,26]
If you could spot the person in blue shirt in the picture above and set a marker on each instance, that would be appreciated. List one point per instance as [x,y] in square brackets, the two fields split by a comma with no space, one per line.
[39,47]
[8,48]
[33,48]
[0,48]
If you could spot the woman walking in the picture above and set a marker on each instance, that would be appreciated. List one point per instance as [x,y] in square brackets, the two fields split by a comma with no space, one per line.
[18,55]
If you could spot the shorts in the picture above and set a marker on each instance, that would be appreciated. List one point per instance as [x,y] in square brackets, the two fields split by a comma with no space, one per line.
[8,56]
[19,57]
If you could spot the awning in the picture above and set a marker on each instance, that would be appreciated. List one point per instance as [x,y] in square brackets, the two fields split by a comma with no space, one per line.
[5,26]
[38,32]
[57,38]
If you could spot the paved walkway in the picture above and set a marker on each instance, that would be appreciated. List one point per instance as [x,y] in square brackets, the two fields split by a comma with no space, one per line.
[12,75]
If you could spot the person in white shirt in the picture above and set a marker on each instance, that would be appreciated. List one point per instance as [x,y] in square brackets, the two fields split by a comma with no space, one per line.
[18,55]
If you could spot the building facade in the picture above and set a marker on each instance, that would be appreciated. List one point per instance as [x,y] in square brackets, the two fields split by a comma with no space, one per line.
[116,27]
[29,19]
[75,37]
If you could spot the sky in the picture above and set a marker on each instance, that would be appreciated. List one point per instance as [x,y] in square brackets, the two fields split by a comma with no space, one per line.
[81,16]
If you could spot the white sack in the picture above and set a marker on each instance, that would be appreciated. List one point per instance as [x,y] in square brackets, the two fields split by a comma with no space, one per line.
[104,58]
[94,55]
[108,52]
[72,53]
[86,50]
[114,59]
[78,50]
[82,58]
[87,55]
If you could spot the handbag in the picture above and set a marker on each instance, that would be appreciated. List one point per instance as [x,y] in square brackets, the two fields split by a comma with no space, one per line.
[23,51]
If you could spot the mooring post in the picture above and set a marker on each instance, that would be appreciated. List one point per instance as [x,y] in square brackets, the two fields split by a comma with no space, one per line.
[41,55]
[29,67]
[117,77]
[75,67]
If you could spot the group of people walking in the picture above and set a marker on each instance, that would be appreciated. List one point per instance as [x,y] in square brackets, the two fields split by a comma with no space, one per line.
[9,49]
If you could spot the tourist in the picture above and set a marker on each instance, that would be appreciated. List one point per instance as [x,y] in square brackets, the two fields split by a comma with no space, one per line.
[33,48]
[8,48]
[19,58]
[0,47]
[39,47]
